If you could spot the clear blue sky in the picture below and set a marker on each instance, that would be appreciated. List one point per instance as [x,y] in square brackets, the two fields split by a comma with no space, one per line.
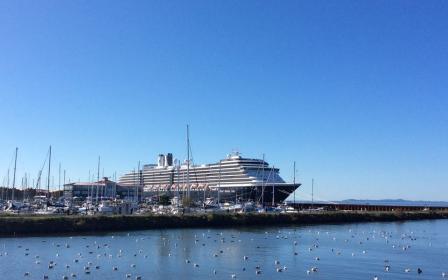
[354,91]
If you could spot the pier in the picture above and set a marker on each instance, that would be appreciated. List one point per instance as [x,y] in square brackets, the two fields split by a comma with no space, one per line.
[301,206]
[13,225]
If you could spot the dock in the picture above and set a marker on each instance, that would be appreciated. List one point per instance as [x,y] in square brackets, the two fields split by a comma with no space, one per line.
[328,206]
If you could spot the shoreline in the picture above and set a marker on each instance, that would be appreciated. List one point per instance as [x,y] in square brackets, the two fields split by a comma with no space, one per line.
[16,226]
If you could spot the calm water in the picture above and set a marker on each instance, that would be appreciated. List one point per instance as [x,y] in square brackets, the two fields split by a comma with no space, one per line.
[356,251]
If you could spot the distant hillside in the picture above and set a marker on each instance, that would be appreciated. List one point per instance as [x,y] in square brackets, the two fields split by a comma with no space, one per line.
[398,202]
[395,202]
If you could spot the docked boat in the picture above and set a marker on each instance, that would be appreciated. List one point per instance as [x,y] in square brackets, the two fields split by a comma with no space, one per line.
[106,208]
[233,179]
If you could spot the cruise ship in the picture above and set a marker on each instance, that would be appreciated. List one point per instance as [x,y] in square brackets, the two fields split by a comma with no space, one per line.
[233,179]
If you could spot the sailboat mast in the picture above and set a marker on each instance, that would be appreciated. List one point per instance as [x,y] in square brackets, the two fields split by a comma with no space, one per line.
[262,183]
[219,182]
[14,176]
[64,181]
[139,181]
[89,189]
[294,181]
[273,191]
[188,162]
[25,187]
[177,187]
[7,185]
[135,183]
[205,180]
[21,186]
[312,193]
[59,179]
[49,172]
[98,178]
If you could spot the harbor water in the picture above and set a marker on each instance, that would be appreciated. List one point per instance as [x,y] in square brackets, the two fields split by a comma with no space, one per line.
[352,251]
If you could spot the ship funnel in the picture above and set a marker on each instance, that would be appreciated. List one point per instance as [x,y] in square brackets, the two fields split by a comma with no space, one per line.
[161,160]
[169,159]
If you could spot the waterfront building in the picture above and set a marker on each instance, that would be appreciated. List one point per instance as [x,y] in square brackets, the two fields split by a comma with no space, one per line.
[104,188]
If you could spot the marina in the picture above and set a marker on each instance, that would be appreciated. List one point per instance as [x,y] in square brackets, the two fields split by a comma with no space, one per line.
[234,185]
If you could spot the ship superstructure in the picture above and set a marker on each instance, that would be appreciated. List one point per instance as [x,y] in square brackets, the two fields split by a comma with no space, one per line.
[234,178]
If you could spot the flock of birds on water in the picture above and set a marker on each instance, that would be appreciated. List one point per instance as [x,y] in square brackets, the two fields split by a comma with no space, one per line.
[81,266]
